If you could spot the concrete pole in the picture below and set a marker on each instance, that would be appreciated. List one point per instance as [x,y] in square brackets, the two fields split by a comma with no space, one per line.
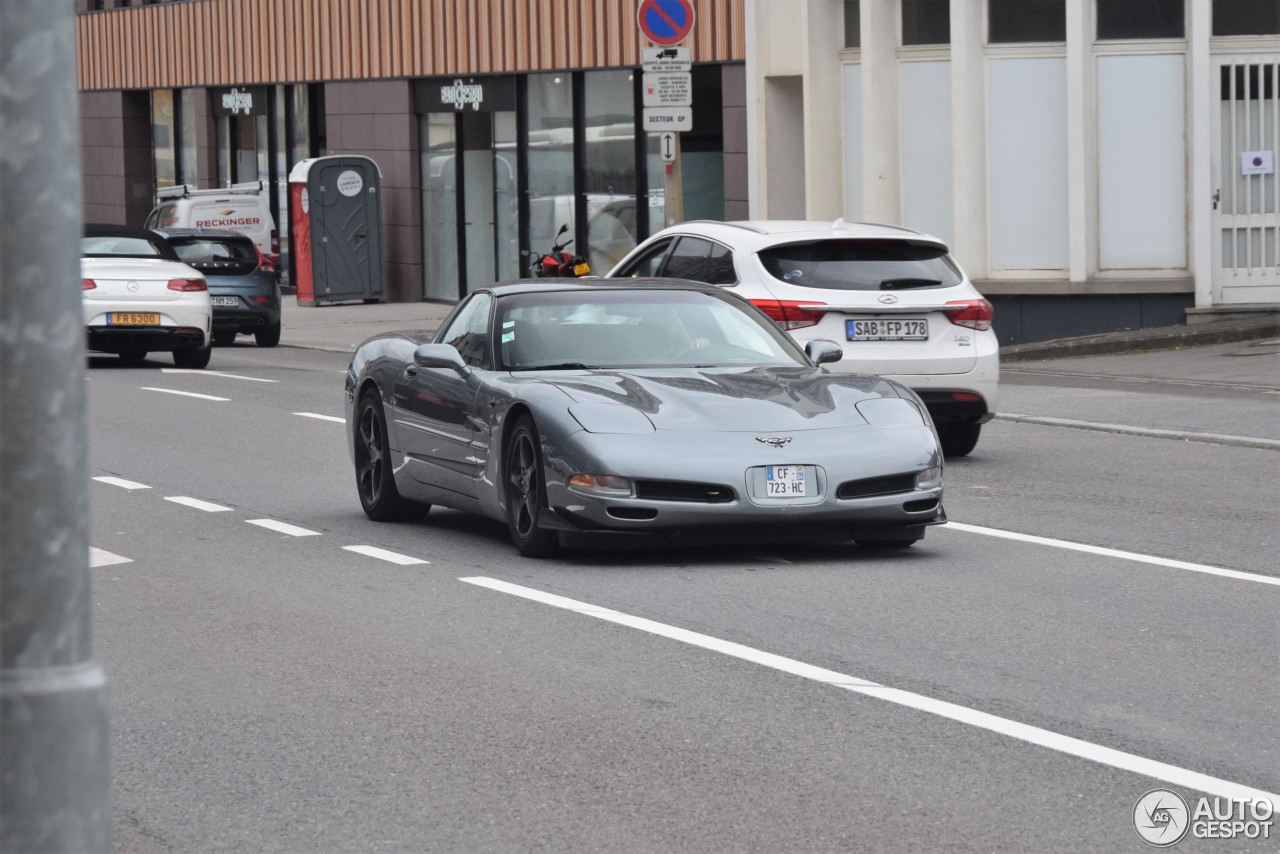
[54,774]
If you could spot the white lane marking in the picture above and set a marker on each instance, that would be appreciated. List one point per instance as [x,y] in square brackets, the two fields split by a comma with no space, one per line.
[283,527]
[208,373]
[121,482]
[1237,574]
[1146,432]
[383,554]
[1266,389]
[321,417]
[198,504]
[184,393]
[98,557]
[951,711]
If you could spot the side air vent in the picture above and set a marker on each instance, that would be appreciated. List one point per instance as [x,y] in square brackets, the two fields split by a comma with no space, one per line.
[870,486]
[674,490]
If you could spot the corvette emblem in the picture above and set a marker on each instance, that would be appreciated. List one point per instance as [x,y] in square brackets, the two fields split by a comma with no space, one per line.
[887,299]
[775,441]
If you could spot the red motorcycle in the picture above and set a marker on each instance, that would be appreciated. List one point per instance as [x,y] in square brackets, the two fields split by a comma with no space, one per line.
[558,264]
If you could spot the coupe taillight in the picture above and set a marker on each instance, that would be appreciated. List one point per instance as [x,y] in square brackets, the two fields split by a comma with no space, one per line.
[89,284]
[790,313]
[187,285]
[973,313]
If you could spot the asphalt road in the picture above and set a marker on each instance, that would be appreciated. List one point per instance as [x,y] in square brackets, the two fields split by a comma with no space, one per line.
[272,689]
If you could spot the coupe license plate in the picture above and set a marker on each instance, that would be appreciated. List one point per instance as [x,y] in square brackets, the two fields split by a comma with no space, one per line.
[896,329]
[133,318]
[785,482]
[231,301]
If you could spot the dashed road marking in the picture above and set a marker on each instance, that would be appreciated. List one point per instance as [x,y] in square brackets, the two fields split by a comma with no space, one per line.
[207,506]
[207,373]
[383,554]
[121,482]
[321,417]
[283,527]
[1237,574]
[98,557]
[961,714]
[185,393]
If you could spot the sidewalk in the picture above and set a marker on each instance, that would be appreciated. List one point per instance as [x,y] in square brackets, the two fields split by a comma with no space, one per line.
[1250,357]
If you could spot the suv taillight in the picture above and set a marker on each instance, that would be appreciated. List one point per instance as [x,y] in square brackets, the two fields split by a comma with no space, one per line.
[89,284]
[973,313]
[790,313]
[187,285]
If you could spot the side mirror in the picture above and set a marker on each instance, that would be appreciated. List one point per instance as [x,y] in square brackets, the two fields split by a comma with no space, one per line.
[440,356]
[821,351]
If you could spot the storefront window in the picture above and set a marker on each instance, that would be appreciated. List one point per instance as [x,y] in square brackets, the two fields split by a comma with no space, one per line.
[550,157]
[926,22]
[1141,19]
[440,206]
[1021,21]
[1246,17]
[189,159]
[163,132]
[610,166]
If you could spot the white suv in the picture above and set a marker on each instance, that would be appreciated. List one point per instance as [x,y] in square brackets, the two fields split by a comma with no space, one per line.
[894,297]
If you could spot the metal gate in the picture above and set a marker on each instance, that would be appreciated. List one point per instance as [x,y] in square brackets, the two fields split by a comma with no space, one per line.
[1247,195]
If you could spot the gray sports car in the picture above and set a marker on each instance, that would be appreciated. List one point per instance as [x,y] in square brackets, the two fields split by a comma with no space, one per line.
[578,411]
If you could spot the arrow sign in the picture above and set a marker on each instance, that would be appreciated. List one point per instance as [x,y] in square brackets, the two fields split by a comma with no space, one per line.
[668,146]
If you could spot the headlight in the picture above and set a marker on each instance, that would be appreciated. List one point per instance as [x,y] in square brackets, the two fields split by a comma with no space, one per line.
[929,478]
[607,485]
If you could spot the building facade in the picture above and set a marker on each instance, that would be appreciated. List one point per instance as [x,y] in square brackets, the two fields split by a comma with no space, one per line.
[1094,164]
[493,122]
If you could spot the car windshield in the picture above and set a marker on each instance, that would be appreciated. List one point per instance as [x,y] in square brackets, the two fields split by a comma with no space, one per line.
[115,244]
[861,265]
[584,329]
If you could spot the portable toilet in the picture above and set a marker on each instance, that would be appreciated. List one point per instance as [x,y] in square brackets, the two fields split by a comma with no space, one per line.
[336,229]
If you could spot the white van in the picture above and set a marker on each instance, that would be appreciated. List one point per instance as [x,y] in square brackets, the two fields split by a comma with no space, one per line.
[240,207]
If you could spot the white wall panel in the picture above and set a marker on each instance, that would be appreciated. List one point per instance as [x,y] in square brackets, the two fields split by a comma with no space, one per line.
[927,176]
[1142,200]
[852,142]
[1027,163]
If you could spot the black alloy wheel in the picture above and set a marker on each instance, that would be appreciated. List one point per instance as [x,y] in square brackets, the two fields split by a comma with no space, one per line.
[375,481]
[525,492]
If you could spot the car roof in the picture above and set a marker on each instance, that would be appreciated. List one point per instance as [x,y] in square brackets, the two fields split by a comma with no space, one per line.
[757,233]
[530,286]
[94,229]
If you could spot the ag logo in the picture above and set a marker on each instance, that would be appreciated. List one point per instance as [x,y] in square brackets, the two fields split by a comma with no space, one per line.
[775,441]
[1161,818]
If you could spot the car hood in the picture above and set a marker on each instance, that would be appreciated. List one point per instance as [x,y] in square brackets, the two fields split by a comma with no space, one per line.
[753,399]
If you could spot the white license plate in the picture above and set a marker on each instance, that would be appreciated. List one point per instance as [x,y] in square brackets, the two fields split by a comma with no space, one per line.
[890,329]
[785,482]
[231,301]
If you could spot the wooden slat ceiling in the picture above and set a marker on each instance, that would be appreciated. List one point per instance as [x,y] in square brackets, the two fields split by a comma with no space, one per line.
[225,42]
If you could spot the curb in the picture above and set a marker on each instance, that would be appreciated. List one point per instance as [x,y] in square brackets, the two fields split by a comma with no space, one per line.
[1160,338]
[1147,432]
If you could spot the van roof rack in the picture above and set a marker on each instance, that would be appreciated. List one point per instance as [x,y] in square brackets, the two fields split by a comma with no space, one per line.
[183,191]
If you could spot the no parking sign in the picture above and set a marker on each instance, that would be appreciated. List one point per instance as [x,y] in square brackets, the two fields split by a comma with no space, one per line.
[665,22]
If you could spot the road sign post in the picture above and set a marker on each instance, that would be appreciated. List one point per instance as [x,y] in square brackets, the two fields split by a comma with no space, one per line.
[668,89]
[54,775]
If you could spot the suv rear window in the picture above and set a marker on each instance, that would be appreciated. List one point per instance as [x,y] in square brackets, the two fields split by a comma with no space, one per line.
[861,265]
[217,255]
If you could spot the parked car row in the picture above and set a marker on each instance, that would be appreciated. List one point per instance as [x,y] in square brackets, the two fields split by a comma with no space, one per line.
[176,291]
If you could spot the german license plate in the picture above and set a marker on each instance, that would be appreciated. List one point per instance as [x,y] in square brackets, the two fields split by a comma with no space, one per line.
[133,318]
[231,301]
[785,482]
[894,329]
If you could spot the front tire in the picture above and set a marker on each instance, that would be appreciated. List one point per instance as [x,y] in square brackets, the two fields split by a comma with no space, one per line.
[375,480]
[958,439]
[525,492]
[192,359]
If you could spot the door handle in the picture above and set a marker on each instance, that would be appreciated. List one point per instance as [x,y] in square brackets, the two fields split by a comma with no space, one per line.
[1217,196]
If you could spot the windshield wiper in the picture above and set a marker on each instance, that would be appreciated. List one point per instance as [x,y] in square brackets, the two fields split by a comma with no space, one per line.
[908,282]
[558,366]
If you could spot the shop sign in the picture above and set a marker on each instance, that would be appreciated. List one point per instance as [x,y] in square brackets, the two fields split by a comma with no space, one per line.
[455,94]
[240,101]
